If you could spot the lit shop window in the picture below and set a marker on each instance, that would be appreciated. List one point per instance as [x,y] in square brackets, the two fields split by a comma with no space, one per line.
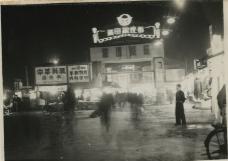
[146,50]
[118,52]
[132,50]
[104,52]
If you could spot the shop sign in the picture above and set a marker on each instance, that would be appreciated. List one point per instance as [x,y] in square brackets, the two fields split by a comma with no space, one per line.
[78,73]
[52,89]
[200,63]
[50,75]
[128,67]
[125,30]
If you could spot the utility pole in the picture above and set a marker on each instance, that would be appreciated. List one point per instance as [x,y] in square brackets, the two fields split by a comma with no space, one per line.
[186,66]
[26,76]
[210,33]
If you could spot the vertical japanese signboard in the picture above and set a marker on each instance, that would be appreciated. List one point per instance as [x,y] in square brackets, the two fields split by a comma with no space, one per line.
[51,75]
[78,73]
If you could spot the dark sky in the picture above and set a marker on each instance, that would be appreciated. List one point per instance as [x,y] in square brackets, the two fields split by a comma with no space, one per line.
[33,34]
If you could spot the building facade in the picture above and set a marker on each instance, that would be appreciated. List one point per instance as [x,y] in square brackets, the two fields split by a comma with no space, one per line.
[131,57]
[126,65]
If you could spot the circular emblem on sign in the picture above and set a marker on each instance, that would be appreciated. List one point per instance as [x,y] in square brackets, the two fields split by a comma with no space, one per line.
[124,19]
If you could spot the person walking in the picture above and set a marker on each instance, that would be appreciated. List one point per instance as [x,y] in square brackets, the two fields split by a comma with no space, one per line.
[179,111]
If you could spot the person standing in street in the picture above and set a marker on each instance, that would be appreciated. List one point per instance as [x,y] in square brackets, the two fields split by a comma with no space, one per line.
[179,111]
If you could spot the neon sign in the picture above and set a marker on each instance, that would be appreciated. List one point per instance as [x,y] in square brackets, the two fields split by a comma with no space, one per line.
[124,20]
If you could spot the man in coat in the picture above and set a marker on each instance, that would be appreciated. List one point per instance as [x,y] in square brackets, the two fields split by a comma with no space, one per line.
[180,99]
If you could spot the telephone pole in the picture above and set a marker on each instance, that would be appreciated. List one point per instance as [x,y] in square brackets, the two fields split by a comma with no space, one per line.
[26,76]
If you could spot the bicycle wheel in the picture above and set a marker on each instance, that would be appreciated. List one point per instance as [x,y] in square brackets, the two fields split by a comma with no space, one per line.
[216,144]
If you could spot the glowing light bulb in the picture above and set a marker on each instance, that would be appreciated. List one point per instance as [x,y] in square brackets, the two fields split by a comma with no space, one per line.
[179,3]
[55,61]
[165,32]
[171,20]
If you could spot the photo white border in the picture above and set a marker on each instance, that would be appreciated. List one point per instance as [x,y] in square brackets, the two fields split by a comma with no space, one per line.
[26,2]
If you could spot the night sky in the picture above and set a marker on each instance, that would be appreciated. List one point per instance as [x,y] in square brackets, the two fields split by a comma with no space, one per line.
[33,34]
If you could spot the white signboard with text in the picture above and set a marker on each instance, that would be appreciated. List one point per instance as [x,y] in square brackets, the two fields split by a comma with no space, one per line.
[78,73]
[51,75]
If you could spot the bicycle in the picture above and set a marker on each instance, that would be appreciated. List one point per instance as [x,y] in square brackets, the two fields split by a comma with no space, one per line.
[216,143]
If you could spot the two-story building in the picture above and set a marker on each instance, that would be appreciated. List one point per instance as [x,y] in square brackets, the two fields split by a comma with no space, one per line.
[126,65]
[131,56]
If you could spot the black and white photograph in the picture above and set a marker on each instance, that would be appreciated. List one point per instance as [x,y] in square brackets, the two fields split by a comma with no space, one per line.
[114,81]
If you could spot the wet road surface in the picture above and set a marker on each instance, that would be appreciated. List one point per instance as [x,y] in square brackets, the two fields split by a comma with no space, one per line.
[76,137]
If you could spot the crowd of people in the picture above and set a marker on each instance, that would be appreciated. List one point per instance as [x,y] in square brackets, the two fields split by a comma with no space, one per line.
[109,101]
[12,104]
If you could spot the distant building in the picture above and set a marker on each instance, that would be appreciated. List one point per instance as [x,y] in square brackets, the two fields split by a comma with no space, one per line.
[131,56]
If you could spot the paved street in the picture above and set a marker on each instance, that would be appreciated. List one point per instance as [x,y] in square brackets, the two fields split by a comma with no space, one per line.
[77,137]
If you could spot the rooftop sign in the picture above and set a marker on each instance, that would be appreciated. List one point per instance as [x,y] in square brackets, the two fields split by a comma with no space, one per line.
[126,30]
[124,19]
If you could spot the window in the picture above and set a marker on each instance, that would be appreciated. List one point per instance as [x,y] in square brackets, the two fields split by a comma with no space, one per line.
[105,52]
[118,52]
[146,50]
[132,50]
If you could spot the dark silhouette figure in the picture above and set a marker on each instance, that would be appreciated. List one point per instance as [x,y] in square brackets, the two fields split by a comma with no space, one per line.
[136,102]
[69,100]
[180,99]
[103,111]
[16,103]
[105,106]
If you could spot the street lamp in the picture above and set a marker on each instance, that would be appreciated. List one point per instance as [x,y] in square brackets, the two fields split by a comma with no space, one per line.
[179,3]
[55,61]
[165,32]
[171,20]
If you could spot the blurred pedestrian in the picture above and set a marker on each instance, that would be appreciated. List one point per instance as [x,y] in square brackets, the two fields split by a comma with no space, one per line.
[69,100]
[104,108]
[170,95]
[16,103]
[179,111]
[136,104]
[197,88]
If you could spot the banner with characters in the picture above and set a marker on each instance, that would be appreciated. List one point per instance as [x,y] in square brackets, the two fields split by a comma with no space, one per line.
[126,30]
[51,75]
[78,73]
